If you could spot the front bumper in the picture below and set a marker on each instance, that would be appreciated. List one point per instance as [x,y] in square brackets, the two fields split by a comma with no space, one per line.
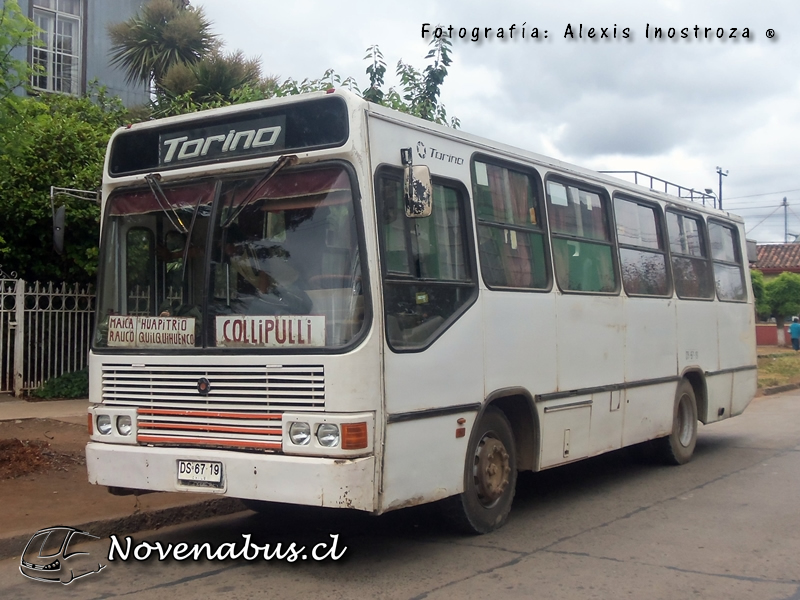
[311,481]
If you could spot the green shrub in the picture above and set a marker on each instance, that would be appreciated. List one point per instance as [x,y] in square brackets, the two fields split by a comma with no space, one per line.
[68,385]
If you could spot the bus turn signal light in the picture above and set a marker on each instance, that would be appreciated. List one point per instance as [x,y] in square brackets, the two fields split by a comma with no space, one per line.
[354,436]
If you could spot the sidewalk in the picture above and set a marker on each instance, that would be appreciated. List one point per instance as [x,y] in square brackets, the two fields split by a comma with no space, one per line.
[71,411]
[62,495]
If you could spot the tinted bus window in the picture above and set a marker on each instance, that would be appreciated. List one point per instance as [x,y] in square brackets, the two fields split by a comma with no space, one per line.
[583,249]
[728,270]
[427,272]
[642,248]
[690,266]
[510,232]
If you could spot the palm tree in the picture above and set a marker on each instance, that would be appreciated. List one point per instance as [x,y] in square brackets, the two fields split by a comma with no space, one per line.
[216,76]
[166,33]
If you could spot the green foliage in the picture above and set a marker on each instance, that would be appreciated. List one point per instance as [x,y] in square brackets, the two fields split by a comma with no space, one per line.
[166,33]
[783,295]
[419,93]
[330,79]
[214,81]
[52,140]
[376,71]
[69,385]
[16,31]
[760,293]
[421,90]
[200,76]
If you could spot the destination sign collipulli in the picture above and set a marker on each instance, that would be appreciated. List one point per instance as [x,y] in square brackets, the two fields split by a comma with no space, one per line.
[235,331]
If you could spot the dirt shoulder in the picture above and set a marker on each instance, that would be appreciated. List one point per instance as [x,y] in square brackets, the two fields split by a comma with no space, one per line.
[33,446]
[49,479]
[49,486]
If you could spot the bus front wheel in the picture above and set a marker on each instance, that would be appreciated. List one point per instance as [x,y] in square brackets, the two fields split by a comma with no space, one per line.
[677,448]
[490,477]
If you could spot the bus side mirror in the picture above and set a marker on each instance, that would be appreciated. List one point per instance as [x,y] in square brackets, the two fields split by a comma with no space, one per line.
[417,188]
[59,217]
[59,214]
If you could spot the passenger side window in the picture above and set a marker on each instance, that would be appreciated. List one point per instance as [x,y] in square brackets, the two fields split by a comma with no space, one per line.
[428,278]
[728,270]
[690,266]
[510,233]
[642,248]
[583,248]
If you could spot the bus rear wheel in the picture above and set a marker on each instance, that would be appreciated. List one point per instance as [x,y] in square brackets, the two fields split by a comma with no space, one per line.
[490,477]
[678,447]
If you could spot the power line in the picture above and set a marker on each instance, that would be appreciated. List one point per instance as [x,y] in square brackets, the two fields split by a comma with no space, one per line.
[752,217]
[762,220]
[764,194]
[794,213]
[755,207]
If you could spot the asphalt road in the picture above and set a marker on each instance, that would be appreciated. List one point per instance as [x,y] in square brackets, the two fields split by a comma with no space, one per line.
[727,525]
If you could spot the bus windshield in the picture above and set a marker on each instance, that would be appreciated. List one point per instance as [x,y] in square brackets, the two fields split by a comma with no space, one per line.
[242,263]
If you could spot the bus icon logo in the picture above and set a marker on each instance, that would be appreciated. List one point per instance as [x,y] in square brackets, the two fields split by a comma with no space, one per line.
[50,555]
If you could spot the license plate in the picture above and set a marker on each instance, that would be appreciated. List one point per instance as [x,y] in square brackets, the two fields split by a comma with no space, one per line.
[199,470]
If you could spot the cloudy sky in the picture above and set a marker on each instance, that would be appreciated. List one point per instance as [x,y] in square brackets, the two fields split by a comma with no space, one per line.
[675,108]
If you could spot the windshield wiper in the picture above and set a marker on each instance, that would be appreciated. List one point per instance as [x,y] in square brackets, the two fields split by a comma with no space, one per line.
[153,180]
[187,244]
[284,161]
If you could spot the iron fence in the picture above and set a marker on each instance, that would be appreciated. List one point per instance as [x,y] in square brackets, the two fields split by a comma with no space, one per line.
[45,331]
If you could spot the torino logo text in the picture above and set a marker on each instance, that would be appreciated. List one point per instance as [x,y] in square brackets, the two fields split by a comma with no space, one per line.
[251,138]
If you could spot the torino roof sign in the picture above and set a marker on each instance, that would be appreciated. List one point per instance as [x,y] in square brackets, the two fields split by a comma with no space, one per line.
[255,136]
[245,133]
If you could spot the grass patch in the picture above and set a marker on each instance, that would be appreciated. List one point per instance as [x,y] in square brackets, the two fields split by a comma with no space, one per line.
[778,370]
[69,385]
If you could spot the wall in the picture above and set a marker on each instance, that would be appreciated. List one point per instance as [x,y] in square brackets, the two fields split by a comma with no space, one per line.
[767,334]
[98,14]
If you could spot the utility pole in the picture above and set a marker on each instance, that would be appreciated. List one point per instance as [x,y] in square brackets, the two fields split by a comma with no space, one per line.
[785,221]
[721,175]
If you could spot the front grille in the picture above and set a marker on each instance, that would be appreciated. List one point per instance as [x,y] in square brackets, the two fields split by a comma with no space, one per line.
[243,407]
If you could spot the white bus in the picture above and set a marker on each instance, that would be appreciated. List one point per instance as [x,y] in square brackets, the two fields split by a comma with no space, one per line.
[279,321]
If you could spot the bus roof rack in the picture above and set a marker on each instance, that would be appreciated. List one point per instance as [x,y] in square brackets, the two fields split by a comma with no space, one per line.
[673,189]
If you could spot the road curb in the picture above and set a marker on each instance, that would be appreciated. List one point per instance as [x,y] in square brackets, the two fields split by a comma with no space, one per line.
[780,388]
[142,521]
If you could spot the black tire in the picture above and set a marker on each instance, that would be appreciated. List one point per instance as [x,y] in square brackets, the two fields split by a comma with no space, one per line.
[678,447]
[490,477]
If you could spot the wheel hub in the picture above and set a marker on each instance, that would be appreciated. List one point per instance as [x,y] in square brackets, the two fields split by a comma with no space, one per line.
[491,470]
[685,421]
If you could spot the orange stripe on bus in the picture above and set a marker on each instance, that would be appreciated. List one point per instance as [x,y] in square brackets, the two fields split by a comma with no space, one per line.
[200,427]
[208,442]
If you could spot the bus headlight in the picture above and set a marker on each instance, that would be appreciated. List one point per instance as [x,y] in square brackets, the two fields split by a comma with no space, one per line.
[300,433]
[104,424]
[113,424]
[124,425]
[328,435]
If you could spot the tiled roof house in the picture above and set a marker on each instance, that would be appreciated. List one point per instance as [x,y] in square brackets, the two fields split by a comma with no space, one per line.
[774,259]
